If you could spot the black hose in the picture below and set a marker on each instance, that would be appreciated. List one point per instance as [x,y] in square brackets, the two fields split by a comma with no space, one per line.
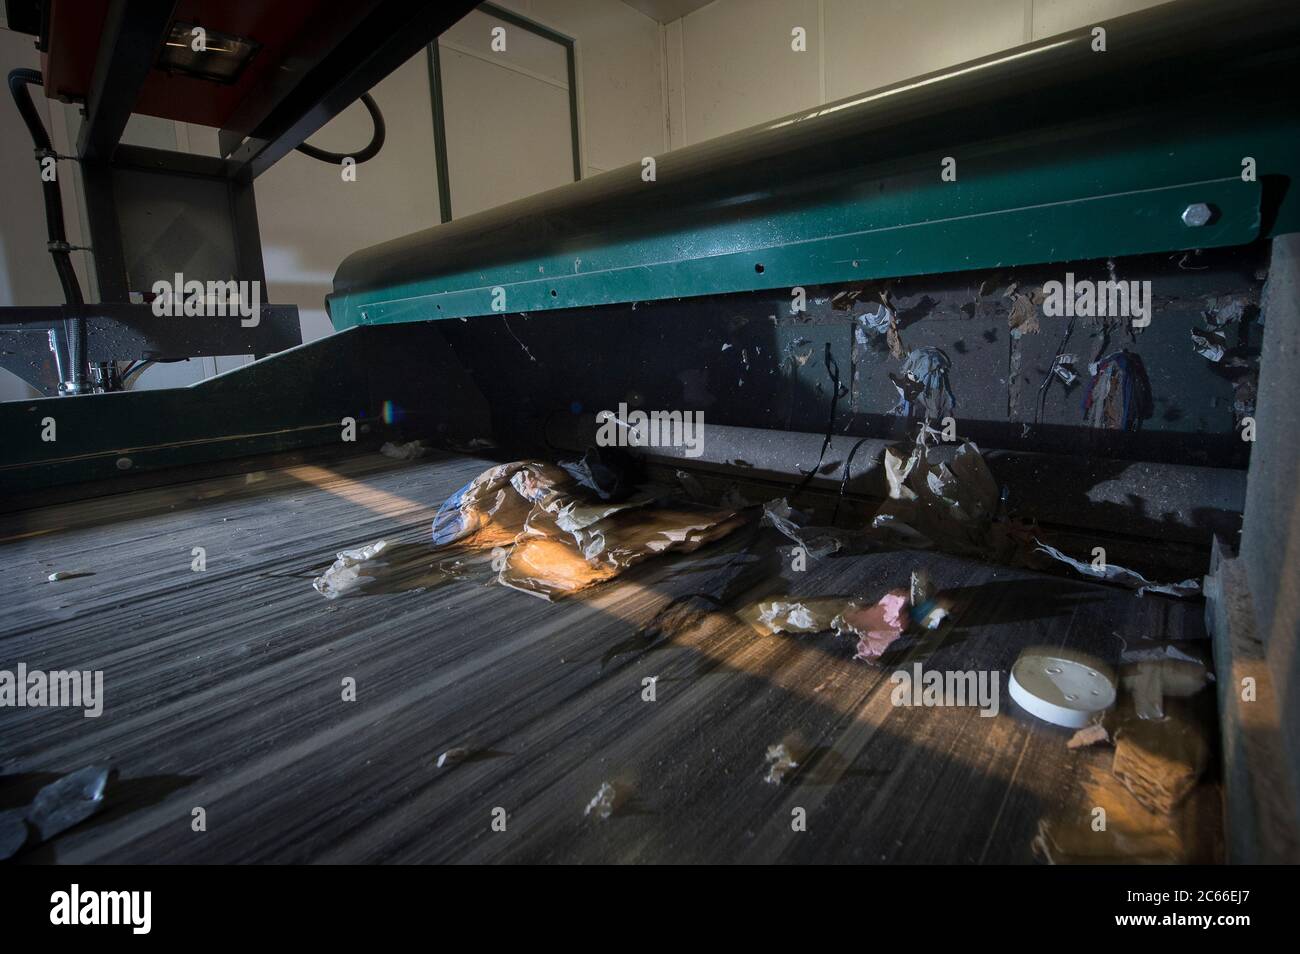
[844,480]
[60,251]
[837,391]
[372,150]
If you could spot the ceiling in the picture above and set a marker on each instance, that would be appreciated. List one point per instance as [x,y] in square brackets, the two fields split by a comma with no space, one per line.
[665,11]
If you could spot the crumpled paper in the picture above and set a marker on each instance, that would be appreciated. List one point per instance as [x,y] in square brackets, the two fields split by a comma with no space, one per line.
[555,539]
[349,570]
[411,450]
[817,542]
[603,803]
[790,614]
[948,506]
[923,389]
[1023,319]
[1209,344]
[486,512]
[876,625]
[780,763]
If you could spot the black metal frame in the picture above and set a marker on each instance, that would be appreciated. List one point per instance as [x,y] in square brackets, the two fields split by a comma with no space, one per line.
[379,38]
[115,331]
[439,113]
[351,48]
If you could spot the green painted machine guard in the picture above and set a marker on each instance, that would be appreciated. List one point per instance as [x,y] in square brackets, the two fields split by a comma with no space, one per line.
[1095,155]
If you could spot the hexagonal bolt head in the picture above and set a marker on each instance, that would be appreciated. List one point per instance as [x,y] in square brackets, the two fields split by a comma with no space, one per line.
[1197,214]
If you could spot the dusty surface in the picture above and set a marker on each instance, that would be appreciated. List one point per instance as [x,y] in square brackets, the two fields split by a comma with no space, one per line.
[224,691]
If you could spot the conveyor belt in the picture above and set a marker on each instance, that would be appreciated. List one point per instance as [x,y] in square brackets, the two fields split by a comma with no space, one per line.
[223,691]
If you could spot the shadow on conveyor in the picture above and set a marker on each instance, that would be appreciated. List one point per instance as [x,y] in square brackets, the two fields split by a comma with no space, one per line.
[745,361]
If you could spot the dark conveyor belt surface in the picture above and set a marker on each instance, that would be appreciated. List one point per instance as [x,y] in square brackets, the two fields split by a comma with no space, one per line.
[223,691]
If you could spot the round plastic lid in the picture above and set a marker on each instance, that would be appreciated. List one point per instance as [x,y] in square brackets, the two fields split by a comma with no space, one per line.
[1062,687]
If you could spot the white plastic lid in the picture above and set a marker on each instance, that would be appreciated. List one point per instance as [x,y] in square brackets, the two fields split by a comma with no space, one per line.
[1062,687]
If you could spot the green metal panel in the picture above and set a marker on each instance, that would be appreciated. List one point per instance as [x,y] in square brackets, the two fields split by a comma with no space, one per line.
[1128,201]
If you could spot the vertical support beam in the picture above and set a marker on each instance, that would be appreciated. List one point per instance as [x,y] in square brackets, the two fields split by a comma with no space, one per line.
[134,31]
[1253,601]
[105,232]
[439,133]
[248,238]
[1270,535]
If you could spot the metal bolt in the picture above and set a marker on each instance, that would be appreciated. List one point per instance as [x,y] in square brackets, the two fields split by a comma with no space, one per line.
[1197,214]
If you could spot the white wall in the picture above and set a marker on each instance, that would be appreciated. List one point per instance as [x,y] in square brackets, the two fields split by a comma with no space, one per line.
[730,64]
[619,56]
[506,111]
[311,220]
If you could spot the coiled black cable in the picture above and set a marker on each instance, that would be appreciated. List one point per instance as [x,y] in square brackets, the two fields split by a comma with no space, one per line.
[372,150]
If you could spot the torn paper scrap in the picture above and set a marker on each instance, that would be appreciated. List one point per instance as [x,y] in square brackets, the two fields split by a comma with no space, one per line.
[58,575]
[1118,574]
[1023,319]
[452,756]
[789,614]
[1209,344]
[1088,735]
[348,571]
[876,626]
[408,451]
[789,617]
[780,762]
[1063,368]
[923,388]
[877,319]
[1133,834]
[602,805]
[1118,393]
[548,562]
[817,542]
[550,567]
[1222,310]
